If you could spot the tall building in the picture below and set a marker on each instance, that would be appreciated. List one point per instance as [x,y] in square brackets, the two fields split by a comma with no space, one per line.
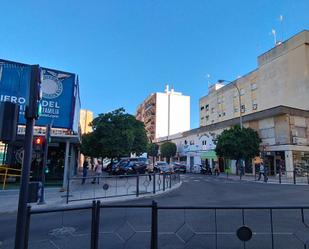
[165,114]
[85,119]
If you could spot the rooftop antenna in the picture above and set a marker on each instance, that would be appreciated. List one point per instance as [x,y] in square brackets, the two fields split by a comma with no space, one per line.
[273,32]
[281,24]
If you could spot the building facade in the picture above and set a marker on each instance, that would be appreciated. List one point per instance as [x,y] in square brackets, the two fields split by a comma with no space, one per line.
[164,114]
[85,119]
[273,100]
[60,109]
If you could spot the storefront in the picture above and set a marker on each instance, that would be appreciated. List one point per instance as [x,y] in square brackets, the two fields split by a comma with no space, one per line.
[60,109]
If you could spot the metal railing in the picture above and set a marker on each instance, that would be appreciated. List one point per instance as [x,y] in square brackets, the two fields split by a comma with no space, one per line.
[90,188]
[5,173]
[152,226]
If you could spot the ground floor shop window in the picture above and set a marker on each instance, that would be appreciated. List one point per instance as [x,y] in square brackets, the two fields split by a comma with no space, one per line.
[301,162]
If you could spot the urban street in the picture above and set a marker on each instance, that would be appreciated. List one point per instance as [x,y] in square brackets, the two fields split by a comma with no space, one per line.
[130,227]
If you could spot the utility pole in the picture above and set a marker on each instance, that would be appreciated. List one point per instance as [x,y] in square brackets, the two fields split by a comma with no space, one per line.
[32,113]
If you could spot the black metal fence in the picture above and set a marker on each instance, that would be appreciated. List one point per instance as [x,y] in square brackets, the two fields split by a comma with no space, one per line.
[95,187]
[157,227]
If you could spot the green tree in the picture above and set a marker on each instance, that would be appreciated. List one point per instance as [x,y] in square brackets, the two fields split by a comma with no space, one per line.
[115,134]
[152,151]
[168,150]
[238,144]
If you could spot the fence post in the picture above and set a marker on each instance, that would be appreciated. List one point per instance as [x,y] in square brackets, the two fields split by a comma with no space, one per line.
[137,185]
[93,225]
[163,181]
[307,178]
[154,183]
[154,226]
[27,227]
[171,180]
[97,225]
[294,176]
[280,173]
[68,189]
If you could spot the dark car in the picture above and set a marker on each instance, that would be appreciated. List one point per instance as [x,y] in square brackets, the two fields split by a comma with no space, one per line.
[130,166]
[179,168]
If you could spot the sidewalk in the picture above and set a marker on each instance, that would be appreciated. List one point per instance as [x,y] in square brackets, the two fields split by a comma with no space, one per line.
[271,179]
[55,198]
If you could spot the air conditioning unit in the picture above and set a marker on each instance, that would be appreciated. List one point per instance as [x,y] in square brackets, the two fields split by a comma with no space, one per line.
[294,140]
[243,108]
[254,106]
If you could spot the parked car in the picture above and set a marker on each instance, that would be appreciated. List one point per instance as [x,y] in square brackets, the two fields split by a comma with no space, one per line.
[179,167]
[163,167]
[130,166]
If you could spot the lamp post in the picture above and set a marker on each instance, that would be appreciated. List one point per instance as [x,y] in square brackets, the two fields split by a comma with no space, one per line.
[239,99]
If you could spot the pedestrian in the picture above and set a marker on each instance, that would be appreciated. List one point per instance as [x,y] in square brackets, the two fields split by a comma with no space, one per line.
[217,169]
[98,172]
[262,172]
[149,170]
[242,168]
[85,170]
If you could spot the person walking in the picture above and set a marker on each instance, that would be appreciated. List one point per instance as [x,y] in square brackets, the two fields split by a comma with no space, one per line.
[149,170]
[98,171]
[262,171]
[85,170]
[217,169]
[242,168]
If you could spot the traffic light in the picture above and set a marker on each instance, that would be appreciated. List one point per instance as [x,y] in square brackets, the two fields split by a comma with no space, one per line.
[38,143]
[34,107]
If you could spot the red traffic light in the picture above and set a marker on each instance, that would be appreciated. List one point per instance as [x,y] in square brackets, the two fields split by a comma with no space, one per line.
[38,141]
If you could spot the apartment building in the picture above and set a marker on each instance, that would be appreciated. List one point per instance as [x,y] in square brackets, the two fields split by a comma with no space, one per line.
[85,118]
[164,114]
[272,99]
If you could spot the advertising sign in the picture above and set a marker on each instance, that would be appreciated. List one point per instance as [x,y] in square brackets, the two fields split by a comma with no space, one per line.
[58,102]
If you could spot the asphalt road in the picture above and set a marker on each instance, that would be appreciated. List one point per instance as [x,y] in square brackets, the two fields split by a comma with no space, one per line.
[182,228]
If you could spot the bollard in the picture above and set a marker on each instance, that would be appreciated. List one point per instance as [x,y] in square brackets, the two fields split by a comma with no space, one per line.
[280,175]
[294,176]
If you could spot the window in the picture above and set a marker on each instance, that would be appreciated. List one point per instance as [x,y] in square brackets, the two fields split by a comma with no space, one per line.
[253,86]
[243,108]
[207,107]
[207,117]
[212,110]
[202,108]
[235,109]
[202,118]
[223,114]
[254,104]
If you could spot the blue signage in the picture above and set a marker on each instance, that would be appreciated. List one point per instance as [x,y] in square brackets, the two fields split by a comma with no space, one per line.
[59,93]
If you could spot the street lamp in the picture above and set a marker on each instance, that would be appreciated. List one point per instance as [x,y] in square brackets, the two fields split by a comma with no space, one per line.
[239,99]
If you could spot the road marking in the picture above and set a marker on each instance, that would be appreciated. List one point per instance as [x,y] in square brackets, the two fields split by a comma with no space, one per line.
[196,180]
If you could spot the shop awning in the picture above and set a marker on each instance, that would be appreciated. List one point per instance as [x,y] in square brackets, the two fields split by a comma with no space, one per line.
[211,154]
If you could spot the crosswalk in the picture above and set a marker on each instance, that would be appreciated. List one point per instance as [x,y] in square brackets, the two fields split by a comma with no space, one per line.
[189,178]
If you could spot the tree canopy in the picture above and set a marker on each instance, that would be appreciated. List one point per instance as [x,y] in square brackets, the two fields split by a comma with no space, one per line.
[168,150]
[152,149]
[115,134]
[238,144]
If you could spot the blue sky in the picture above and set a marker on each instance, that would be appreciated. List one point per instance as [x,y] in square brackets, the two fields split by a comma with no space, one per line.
[123,50]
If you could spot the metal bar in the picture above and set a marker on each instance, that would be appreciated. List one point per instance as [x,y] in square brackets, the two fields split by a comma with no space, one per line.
[216,229]
[170,181]
[93,227]
[307,177]
[27,226]
[137,185]
[63,209]
[4,181]
[280,173]
[68,190]
[271,228]
[163,181]
[97,225]
[154,226]
[154,183]
[294,176]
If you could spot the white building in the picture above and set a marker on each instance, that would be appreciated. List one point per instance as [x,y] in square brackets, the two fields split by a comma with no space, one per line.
[165,114]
